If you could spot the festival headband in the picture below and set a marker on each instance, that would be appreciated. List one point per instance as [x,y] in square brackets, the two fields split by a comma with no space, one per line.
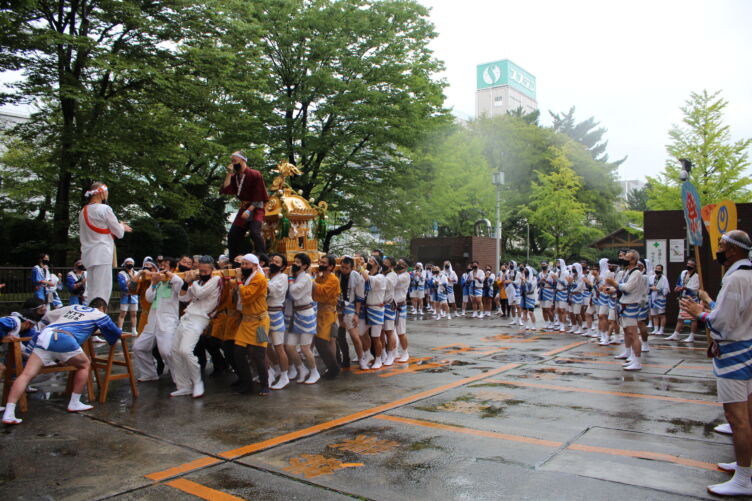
[735,242]
[91,193]
[21,317]
[239,155]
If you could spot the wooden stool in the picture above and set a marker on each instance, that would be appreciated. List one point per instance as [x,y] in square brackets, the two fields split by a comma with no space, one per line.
[97,363]
[14,368]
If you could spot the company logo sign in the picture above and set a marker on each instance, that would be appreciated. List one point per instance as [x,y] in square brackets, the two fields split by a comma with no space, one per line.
[492,74]
[505,72]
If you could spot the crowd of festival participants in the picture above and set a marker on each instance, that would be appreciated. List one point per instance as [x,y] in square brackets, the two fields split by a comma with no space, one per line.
[267,320]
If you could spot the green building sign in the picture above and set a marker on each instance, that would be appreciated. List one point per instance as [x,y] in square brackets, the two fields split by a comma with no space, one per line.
[505,72]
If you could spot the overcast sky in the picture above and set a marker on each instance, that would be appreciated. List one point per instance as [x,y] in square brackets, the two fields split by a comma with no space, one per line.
[631,65]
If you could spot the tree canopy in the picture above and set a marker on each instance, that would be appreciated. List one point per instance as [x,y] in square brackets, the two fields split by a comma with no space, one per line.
[151,97]
[719,163]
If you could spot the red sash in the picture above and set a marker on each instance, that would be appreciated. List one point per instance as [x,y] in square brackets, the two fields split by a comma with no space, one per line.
[103,231]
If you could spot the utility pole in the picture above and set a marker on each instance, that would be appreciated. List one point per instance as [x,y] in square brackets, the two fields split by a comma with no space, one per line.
[498,181]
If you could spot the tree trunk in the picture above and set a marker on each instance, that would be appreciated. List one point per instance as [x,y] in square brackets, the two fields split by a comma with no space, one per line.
[333,233]
[44,207]
[68,162]
[556,247]
[61,219]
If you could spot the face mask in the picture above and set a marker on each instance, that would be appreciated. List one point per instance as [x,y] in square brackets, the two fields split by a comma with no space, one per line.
[81,268]
[623,262]
[446,266]
[237,167]
[475,267]
[182,268]
[369,267]
[399,267]
[691,266]
[246,272]
[45,261]
[295,269]
[104,202]
[205,278]
[274,268]
[128,266]
[544,268]
[658,273]
[468,270]
[720,256]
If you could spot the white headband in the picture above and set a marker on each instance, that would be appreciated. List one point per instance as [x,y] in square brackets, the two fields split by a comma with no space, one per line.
[251,258]
[91,193]
[239,155]
[735,242]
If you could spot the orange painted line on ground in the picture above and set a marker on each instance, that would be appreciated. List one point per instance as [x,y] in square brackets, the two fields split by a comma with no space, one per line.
[201,491]
[564,348]
[605,392]
[659,456]
[619,362]
[669,347]
[670,458]
[470,431]
[384,368]
[411,368]
[288,437]
[508,339]
[183,468]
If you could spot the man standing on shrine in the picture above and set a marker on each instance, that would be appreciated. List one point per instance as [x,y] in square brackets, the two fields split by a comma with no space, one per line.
[248,185]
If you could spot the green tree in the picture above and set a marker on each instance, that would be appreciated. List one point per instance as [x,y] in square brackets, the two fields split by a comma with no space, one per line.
[349,87]
[637,199]
[719,163]
[90,66]
[587,133]
[555,209]
[522,150]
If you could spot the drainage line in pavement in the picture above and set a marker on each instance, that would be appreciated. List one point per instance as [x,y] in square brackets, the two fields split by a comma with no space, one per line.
[563,446]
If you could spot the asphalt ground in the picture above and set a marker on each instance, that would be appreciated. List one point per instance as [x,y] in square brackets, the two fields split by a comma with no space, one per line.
[482,411]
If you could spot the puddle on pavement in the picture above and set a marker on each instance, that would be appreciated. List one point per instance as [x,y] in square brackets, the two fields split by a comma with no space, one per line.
[426,443]
[516,357]
[475,404]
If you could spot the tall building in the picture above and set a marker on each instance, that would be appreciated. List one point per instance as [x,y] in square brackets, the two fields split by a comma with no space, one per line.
[502,86]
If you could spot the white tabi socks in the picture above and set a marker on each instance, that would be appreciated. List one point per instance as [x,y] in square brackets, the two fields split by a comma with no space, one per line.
[75,404]
[9,416]
[739,485]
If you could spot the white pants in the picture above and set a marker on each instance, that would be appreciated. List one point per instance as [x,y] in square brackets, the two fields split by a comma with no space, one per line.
[185,369]
[146,366]
[99,282]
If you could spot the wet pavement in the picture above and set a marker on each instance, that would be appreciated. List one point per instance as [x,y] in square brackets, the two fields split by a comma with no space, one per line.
[482,411]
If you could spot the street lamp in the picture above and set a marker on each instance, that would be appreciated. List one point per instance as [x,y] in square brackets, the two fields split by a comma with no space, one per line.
[527,245]
[498,180]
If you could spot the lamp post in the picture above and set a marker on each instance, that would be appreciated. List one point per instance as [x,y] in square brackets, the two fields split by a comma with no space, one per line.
[498,180]
[527,244]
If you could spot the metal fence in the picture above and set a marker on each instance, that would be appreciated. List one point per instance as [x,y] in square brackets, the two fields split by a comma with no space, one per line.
[19,287]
